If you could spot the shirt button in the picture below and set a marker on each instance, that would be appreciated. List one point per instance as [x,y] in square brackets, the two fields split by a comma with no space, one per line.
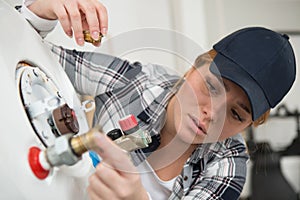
[185,178]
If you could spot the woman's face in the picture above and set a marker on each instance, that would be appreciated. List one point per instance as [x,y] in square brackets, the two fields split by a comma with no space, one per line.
[207,108]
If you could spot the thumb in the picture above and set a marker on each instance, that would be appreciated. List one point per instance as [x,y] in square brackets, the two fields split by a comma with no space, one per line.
[112,154]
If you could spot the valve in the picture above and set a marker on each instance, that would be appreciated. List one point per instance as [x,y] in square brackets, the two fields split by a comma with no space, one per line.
[37,168]
[63,120]
[133,138]
[68,149]
[130,137]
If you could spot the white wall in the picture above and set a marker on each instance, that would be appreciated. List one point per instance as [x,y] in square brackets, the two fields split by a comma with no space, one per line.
[227,16]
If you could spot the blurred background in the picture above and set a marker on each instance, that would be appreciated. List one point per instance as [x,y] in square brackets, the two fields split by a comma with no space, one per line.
[174,32]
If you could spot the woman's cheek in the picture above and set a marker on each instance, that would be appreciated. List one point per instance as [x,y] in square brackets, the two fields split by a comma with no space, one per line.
[188,95]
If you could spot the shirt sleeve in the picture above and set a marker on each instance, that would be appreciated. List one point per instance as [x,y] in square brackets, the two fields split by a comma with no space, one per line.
[42,26]
[223,177]
[94,73]
[223,180]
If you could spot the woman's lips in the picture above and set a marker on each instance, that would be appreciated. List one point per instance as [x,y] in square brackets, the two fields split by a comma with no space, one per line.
[198,124]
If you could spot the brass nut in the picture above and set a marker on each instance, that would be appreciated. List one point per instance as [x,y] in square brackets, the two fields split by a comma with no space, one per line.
[88,37]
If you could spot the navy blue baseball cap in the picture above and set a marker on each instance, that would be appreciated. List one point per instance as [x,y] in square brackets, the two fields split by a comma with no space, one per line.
[261,62]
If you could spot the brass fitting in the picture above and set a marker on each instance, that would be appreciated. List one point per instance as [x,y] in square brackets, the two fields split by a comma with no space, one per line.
[84,142]
[88,38]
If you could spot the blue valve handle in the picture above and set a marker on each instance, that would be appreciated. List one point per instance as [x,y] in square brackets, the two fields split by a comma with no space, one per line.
[95,158]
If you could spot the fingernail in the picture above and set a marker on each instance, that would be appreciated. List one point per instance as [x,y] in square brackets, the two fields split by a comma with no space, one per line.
[80,41]
[69,34]
[95,35]
[104,31]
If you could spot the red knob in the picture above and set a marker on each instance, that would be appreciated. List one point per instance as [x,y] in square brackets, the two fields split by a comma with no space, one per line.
[128,122]
[35,165]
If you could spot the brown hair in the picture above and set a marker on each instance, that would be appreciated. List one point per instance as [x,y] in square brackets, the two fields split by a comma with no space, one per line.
[205,58]
[262,119]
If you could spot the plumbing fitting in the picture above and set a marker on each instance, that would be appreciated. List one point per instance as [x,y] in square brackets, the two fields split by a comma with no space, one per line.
[68,149]
[133,138]
[88,38]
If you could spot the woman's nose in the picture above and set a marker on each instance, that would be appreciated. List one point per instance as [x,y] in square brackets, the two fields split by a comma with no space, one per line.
[213,110]
[206,113]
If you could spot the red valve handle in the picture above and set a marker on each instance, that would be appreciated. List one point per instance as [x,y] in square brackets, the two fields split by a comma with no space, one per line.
[35,165]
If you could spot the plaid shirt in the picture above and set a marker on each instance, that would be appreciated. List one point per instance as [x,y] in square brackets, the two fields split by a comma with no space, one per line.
[214,171]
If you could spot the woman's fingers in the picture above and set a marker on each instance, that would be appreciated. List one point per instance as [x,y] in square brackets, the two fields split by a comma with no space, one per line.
[113,155]
[109,183]
[91,17]
[97,188]
[76,20]
[64,19]
[103,16]
[96,19]
[116,174]
[108,175]
[76,16]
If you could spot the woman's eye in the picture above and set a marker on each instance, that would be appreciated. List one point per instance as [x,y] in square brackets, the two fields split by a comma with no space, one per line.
[212,89]
[236,115]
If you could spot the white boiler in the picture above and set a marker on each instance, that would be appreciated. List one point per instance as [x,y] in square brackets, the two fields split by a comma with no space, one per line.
[33,86]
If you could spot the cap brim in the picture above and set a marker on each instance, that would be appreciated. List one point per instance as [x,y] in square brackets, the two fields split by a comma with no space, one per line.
[226,68]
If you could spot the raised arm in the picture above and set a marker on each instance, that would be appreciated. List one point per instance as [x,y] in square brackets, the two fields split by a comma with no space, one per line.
[94,73]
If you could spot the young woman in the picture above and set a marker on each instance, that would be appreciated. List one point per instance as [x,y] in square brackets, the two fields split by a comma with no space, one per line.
[195,121]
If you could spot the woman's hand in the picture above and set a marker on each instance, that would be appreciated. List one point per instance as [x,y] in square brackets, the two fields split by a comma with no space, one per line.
[115,177]
[74,16]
